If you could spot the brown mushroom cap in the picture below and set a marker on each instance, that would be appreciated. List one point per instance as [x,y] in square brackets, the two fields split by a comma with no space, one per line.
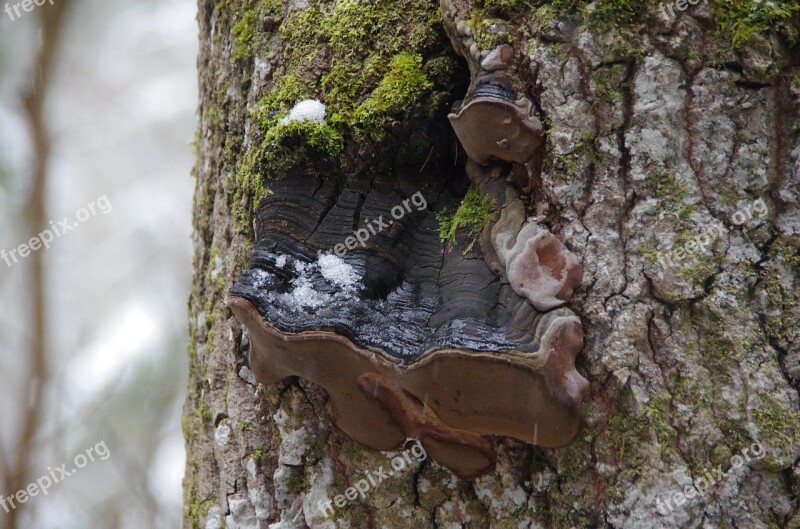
[450,398]
[505,231]
[542,269]
[490,126]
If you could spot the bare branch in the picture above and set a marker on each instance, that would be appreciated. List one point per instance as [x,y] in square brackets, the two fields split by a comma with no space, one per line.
[52,20]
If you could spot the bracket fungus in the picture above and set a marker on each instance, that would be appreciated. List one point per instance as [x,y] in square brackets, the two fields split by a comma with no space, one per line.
[541,268]
[407,336]
[493,123]
[410,335]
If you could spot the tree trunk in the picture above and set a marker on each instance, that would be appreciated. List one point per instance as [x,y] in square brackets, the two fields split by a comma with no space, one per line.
[669,168]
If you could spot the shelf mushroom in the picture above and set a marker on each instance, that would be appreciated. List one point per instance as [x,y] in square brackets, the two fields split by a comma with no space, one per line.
[408,338]
[492,123]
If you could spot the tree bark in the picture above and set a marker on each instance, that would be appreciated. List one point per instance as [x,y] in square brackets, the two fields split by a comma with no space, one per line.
[670,169]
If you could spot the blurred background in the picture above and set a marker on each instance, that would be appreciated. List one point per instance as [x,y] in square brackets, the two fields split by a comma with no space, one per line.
[97,111]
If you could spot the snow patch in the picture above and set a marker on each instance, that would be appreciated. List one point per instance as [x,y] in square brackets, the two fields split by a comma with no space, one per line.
[260,278]
[310,110]
[335,270]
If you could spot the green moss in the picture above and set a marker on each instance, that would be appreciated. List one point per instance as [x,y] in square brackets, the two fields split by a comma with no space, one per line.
[671,195]
[718,354]
[608,83]
[630,436]
[272,7]
[609,14]
[622,21]
[584,154]
[296,481]
[697,391]
[203,207]
[214,115]
[739,20]
[204,413]
[472,215]
[366,61]
[667,187]
[782,296]
[729,196]
[573,460]
[423,38]
[287,146]
[188,428]
[604,15]
[441,70]
[259,456]
[276,437]
[288,90]
[489,32]
[696,268]
[659,411]
[245,30]
[244,33]
[780,426]
[402,86]
[351,27]
[574,463]
[650,254]
[214,288]
[736,438]
[361,38]
[503,6]
[197,511]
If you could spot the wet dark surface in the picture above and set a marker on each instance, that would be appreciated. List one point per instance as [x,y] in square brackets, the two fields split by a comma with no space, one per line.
[402,294]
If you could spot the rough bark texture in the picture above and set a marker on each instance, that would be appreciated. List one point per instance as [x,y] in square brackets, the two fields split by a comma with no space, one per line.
[665,135]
